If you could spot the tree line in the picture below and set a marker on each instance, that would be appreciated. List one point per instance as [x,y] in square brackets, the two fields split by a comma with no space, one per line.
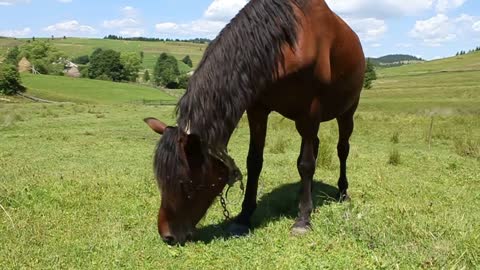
[194,40]
[477,49]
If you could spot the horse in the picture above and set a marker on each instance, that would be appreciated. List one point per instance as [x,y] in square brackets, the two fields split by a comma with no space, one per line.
[295,57]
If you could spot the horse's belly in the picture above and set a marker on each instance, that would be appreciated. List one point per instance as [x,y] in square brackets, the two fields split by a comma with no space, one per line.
[297,99]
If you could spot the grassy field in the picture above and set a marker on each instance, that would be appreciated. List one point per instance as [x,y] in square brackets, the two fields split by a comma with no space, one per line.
[74,47]
[57,88]
[77,188]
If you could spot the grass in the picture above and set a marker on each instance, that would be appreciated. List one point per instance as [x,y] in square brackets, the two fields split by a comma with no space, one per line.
[74,47]
[91,91]
[77,190]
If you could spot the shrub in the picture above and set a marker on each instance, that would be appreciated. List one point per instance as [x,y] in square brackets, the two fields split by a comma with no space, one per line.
[395,137]
[187,61]
[394,157]
[146,76]
[41,66]
[370,75]
[12,56]
[467,147]
[10,82]
[81,60]
[166,71]
[183,81]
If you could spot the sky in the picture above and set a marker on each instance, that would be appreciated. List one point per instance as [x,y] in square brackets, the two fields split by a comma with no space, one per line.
[429,29]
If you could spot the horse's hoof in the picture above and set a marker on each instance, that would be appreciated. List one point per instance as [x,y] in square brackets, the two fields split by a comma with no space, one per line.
[343,197]
[301,228]
[238,230]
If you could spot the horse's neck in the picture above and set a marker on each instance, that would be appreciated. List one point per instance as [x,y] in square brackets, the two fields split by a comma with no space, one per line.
[212,124]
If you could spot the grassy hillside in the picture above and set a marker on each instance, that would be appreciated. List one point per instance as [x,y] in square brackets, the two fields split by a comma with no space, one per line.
[90,91]
[74,47]
[468,62]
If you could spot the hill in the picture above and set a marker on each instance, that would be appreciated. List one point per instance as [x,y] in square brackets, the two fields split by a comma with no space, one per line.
[467,62]
[75,47]
[392,60]
[440,86]
[57,88]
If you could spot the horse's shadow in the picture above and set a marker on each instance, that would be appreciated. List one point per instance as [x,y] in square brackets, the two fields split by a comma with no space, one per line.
[281,202]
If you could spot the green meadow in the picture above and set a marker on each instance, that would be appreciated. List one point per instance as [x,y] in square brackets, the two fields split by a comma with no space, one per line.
[66,89]
[77,189]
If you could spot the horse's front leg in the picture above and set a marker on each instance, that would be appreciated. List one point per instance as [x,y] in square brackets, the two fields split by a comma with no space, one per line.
[257,120]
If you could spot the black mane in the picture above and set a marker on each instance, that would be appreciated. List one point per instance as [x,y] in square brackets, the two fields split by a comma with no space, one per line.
[241,61]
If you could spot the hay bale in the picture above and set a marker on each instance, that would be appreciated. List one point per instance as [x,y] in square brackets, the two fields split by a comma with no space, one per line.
[24,66]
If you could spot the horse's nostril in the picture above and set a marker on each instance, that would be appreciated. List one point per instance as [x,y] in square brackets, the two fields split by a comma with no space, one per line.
[170,240]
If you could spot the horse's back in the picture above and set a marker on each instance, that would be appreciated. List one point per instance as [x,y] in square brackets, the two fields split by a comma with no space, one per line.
[323,73]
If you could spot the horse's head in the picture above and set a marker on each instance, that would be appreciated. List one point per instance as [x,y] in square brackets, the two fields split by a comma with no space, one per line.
[190,175]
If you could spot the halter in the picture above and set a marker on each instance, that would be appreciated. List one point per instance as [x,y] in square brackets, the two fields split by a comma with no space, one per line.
[234,173]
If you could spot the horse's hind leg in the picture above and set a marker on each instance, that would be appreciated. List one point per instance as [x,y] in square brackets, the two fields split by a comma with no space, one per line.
[345,128]
[257,120]
[306,167]
[316,145]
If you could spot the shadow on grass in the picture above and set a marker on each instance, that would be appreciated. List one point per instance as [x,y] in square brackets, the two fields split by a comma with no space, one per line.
[281,202]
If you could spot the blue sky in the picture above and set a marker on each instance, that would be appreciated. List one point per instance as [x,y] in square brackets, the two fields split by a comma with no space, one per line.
[427,28]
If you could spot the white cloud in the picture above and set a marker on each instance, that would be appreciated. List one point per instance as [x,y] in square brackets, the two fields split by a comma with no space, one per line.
[376,45]
[198,28]
[12,2]
[132,32]
[476,26]
[64,1]
[441,29]
[391,8]
[223,10]
[16,32]
[121,23]
[130,12]
[217,15]
[403,45]
[443,6]
[434,31]
[129,25]
[380,9]
[368,29]
[72,27]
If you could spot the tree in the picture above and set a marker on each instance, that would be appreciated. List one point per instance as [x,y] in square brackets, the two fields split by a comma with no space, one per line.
[187,61]
[12,56]
[370,75]
[10,83]
[132,64]
[146,76]
[106,64]
[81,60]
[166,70]
[46,57]
[183,81]
[142,55]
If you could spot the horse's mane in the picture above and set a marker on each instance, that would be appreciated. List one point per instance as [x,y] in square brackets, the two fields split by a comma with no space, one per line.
[241,61]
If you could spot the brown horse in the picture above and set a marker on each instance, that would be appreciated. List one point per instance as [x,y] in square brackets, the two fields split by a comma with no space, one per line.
[295,57]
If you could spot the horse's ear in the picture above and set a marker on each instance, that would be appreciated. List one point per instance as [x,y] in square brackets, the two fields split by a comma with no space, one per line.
[156,125]
[192,146]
